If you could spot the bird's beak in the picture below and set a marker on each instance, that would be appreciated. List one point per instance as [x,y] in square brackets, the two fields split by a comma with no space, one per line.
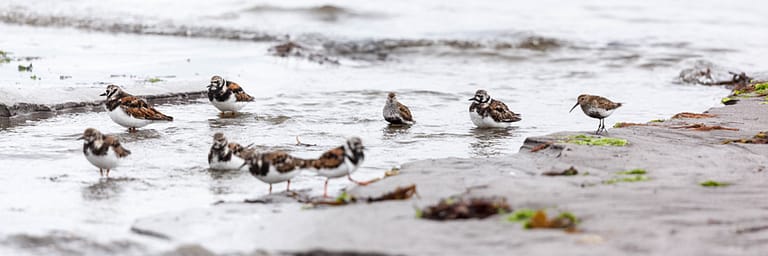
[103,94]
[574,106]
[471,99]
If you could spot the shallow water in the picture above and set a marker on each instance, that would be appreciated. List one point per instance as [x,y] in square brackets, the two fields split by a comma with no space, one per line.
[534,58]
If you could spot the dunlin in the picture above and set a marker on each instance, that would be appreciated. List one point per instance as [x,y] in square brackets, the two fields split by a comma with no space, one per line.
[596,107]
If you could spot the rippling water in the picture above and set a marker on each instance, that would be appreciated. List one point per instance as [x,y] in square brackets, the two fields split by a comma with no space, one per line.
[435,54]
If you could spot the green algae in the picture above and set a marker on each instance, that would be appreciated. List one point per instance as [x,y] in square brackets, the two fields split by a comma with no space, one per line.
[344,197]
[632,178]
[728,101]
[23,68]
[521,215]
[4,58]
[596,141]
[633,172]
[154,80]
[712,183]
[657,121]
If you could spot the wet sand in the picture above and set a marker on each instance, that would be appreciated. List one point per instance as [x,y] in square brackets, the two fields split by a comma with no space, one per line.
[669,214]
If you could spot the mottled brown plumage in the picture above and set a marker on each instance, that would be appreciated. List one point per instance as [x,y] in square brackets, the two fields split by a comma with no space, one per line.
[340,161]
[484,107]
[274,167]
[106,142]
[222,153]
[329,159]
[240,94]
[97,148]
[596,107]
[220,90]
[395,112]
[133,106]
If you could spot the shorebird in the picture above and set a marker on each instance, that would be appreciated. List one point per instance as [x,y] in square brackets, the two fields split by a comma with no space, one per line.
[395,112]
[274,167]
[596,107]
[227,96]
[490,113]
[103,151]
[225,155]
[130,111]
[340,161]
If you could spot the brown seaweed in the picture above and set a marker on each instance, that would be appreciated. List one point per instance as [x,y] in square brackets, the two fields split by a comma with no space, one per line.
[567,172]
[704,128]
[541,146]
[456,207]
[692,115]
[564,221]
[759,138]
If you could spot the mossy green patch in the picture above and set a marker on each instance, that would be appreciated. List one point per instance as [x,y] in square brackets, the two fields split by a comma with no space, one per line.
[657,121]
[419,213]
[4,58]
[596,141]
[569,216]
[344,197]
[633,178]
[23,68]
[35,77]
[633,172]
[521,215]
[728,101]
[154,80]
[712,183]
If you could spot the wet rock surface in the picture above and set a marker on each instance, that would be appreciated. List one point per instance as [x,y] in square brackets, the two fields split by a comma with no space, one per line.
[669,213]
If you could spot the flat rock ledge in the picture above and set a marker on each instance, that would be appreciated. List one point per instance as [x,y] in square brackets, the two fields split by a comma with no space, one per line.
[670,213]
[30,108]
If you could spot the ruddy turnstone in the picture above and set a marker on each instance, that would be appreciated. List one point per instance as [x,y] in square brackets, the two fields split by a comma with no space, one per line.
[227,96]
[395,112]
[273,167]
[225,155]
[341,161]
[103,151]
[490,113]
[130,111]
[596,107]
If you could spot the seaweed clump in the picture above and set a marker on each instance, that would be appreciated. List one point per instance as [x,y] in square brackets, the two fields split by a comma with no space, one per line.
[457,207]
[634,175]
[596,141]
[567,172]
[400,193]
[692,115]
[537,219]
[759,138]
[4,58]
[712,183]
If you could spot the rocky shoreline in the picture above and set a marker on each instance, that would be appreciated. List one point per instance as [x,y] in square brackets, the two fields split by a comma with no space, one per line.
[20,109]
[669,211]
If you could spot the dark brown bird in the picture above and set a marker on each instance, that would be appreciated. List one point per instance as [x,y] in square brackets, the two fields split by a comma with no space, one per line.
[395,112]
[596,107]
